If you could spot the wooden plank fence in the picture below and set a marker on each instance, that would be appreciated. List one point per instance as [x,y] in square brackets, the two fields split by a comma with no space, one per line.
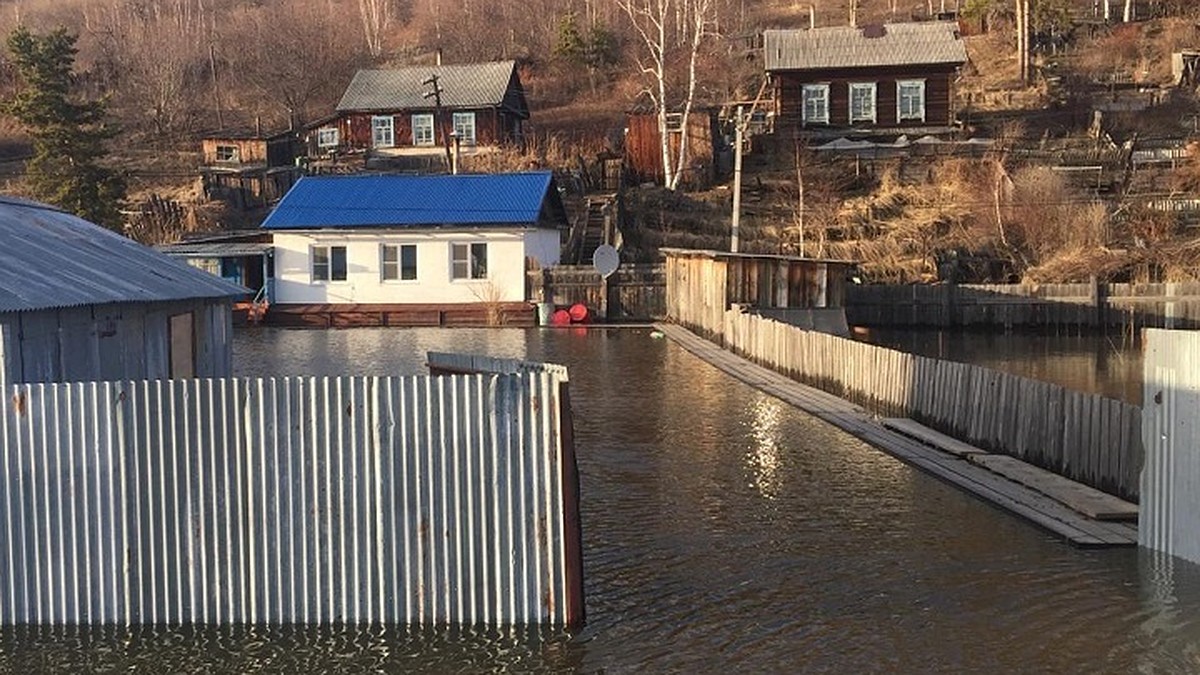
[1094,305]
[1085,437]
[632,293]
[433,500]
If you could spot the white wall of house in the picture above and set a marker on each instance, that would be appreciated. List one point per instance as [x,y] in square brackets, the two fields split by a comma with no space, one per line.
[364,282]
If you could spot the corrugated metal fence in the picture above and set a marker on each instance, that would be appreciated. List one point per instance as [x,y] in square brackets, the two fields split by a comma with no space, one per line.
[314,500]
[1169,517]
[1089,438]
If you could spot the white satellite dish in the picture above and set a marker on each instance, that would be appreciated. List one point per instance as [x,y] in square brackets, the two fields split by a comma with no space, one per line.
[606,260]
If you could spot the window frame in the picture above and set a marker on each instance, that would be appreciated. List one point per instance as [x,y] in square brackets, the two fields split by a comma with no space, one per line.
[871,88]
[459,129]
[323,135]
[805,90]
[329,265]
[476,265]
[378,124]
[230,153]
[432,130]
[919,84]
[401,268]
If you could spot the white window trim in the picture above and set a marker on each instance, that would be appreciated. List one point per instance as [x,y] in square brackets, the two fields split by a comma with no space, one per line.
[804,89]
[462,138]
[470,278]
[399,265]
[432,130]
[863,86]
[900,84]
[312,262]
[391,127]
[323,134]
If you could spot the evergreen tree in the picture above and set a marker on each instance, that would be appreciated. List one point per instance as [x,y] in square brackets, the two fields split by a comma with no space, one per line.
[68,136]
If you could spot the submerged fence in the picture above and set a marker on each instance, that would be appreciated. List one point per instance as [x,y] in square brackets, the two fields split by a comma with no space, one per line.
[307,500]
[1086,437]
[1169,516]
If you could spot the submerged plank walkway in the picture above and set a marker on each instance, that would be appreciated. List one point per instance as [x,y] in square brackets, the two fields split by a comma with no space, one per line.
[953,465]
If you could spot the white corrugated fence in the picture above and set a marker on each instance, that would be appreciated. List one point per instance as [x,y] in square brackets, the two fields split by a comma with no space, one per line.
[448,500]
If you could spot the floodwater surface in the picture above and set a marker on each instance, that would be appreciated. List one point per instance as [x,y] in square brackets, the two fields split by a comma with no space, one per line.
[723,531]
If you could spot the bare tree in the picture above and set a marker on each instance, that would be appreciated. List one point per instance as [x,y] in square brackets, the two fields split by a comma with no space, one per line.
[670,30]
[376,17]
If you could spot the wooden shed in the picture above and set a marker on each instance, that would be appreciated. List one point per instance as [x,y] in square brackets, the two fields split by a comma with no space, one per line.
[703,285]
[643,150]
[249,169]
[81,303]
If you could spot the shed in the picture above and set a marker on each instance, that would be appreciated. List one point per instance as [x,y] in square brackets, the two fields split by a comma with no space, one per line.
[807,292]
[249,168]
[889,76]
[79,302]
[705,143]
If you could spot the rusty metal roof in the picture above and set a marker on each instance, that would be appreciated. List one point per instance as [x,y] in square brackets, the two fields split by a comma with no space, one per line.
[894,44]
[475,85]
[50,258]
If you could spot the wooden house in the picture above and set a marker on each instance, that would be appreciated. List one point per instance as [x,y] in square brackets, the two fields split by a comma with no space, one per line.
[248,168]
[79,302]
[888,77]
[418,109]
[703,285]
[643,149]
[413,249]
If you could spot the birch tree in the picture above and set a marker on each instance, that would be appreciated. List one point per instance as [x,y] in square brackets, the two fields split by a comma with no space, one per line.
[670,31]
[376,17]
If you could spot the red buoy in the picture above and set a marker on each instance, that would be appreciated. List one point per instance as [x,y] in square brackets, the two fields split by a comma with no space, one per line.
[579,312]
[560,318]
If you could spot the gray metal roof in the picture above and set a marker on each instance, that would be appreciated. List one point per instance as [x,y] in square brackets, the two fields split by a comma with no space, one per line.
[896,44]
[473,85]
[50,258]
[214,249]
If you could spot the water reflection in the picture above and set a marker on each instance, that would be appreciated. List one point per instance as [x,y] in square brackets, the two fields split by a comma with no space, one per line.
[722,530]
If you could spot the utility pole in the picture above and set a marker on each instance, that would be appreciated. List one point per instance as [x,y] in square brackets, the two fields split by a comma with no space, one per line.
[436,93]
[739,127]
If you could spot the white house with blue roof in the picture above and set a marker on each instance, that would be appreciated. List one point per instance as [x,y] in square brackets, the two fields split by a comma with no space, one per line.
[377,243]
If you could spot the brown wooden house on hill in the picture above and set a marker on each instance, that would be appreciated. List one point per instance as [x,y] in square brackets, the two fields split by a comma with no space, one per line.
[249,168]
[394,112]
[880,77]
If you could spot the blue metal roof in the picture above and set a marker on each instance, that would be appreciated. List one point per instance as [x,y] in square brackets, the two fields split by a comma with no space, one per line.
[471,200]
[51,259]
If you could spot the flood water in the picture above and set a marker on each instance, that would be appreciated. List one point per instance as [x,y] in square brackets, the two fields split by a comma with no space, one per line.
[723,531]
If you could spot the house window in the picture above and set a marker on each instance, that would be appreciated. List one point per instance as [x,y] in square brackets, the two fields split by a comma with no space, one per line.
[422,127]
[862,102]
[227,153]
[329,263]
[910,100]
[674,122]
[464,127]
[816,103]
[210,265]
[383,133]
[468,261]
[327,137]
[399,262]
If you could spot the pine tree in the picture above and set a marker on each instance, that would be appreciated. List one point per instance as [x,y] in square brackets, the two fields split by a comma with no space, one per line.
[68,135]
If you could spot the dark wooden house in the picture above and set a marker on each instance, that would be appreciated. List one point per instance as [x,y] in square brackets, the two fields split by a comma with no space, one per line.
[643,150]
[248,168]
[395,112]
[878,77]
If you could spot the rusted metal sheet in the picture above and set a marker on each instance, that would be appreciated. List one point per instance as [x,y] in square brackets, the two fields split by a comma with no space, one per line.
[433,500]
[1170,506]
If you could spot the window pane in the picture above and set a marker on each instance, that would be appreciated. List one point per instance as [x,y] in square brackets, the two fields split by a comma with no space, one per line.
[478,261]
[816,103]
[408,262]
[422,129]
[862,102]
[387,267]
[337,263]
[459,261]
[320,263]
[381,132]
[464,127]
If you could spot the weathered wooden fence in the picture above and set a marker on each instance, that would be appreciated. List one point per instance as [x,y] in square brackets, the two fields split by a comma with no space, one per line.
[292,500]
[1046,305]
[1088,438]
[633,292]
[1169,517]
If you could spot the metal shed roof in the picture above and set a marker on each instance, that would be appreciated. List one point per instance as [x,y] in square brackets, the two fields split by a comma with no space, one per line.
[472,200]
[475,85]
[895,44]
[214,249]
[51,259]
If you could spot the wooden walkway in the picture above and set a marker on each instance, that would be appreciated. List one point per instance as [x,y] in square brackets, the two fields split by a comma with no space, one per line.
[955,464]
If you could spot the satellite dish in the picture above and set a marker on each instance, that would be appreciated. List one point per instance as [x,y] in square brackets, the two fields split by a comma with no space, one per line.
[606,260]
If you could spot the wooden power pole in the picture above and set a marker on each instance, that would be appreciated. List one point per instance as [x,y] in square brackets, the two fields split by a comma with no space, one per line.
[438,123]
